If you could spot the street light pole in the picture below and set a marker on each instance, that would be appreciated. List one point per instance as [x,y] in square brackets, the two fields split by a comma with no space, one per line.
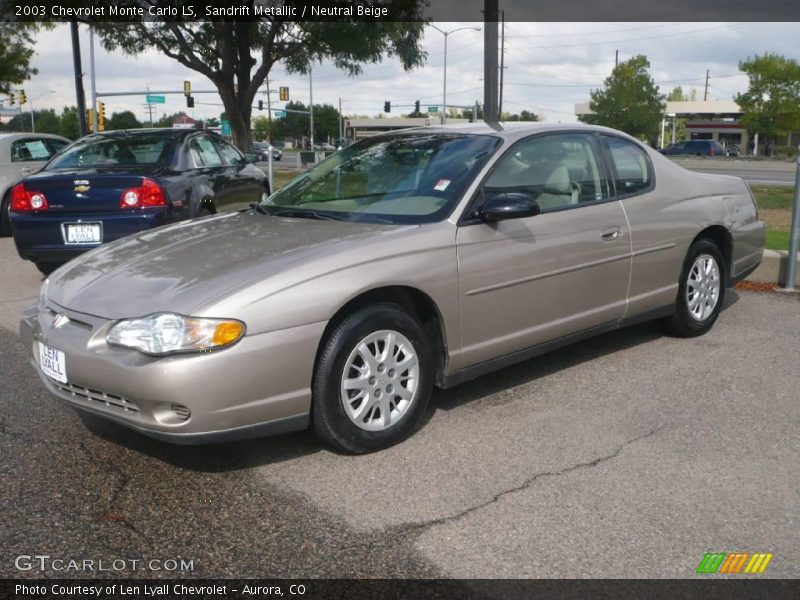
[444,83]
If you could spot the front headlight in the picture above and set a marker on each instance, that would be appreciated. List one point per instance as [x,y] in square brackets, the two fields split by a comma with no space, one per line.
[168,333]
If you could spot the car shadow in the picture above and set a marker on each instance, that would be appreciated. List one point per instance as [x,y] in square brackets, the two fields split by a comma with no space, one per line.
[265,451]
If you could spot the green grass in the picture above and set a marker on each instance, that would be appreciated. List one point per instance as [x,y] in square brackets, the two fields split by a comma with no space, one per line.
[777,240]
[773,196]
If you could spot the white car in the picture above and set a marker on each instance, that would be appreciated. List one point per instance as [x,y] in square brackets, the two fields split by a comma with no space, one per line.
[22,154]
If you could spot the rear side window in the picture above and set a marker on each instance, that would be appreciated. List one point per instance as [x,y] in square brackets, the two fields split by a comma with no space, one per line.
[33,149]
[631,165]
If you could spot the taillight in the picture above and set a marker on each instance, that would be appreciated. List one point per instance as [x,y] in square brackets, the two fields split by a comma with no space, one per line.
[711,152]
[25,200]
[149,194]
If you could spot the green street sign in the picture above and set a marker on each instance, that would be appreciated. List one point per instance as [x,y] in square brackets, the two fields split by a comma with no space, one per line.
[225,127]
[155,99]
[279,114]
[433,109]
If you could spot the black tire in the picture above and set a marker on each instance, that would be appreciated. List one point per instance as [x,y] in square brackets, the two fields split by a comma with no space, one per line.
[45,268]
[330,422]
[203,211]
[5,218]
[682,323]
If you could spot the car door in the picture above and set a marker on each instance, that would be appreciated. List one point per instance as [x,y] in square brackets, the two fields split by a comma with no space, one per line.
[210,166]
[657,226]
[526,281]
[244,180]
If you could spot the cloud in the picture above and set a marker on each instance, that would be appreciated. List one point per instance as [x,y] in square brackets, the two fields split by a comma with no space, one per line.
[549,67]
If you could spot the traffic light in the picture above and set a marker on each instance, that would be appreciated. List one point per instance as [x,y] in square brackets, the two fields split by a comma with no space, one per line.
[11,99]
[260,105]
[387,106]
[416,106]
[189,101]
[22,97]
[283,94]
[89,116]
[187,88]
[101,116]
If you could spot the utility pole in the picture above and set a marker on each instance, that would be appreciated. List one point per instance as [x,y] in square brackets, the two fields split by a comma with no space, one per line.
[149,106]
[341,122]
[705,94]
[311,106]
[269,93]
[502,63]
[93,124]
[76,63]
[490,66]
[616,58]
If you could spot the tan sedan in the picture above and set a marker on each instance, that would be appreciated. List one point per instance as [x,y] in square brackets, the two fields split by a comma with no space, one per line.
[412,259]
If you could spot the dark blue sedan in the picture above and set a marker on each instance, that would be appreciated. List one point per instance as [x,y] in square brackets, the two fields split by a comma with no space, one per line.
[109,185]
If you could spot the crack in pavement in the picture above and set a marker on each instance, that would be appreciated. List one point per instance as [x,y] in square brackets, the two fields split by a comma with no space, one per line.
[413,527]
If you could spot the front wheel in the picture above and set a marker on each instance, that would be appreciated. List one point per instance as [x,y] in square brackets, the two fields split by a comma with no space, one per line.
[701,290]
[373,380]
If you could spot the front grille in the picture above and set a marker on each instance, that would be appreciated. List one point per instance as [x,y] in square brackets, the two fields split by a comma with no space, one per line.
[95,396]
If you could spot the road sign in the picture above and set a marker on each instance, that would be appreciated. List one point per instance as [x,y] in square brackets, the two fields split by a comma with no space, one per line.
[433,109]
[225,127]
[279,114]
[155,99]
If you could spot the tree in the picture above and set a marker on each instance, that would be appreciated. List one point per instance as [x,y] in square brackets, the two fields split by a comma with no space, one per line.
[629,101]
[167,120]
[16,51]
[122,120]
[771,104]
[68,126]
[260,128]
[237,56]
[326,122]
[678,95]
[212,122]
[47,121]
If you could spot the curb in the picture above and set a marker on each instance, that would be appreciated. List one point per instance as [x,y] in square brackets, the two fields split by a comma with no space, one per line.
[773,268]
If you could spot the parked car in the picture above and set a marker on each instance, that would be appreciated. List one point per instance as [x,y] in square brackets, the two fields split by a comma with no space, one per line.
[325,146]
[22,154]
[407,260]
[262,150]
[696,148]
[109,185]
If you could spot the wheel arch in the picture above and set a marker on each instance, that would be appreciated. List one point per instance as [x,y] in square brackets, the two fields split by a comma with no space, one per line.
[720,236]
[415,301]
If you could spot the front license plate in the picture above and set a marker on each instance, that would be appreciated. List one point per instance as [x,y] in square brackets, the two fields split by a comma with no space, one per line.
[83,233]
[53,363]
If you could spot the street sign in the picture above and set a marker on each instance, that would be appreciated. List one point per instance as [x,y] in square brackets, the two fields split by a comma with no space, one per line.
[279,114]
[225,127]
[433,109]
[155,99]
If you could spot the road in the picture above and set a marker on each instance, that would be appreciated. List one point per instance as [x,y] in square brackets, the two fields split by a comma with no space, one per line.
[758,172]
[630,455]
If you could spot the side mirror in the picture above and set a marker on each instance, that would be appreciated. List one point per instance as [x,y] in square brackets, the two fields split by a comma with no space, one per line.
[250,158]
[509,205]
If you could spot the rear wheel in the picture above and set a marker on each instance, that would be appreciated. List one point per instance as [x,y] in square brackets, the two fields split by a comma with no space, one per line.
[373,380]
[5,218]
[701,290]
[46,267]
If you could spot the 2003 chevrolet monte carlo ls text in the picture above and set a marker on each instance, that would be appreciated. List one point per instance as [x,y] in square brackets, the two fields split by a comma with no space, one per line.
[408,260]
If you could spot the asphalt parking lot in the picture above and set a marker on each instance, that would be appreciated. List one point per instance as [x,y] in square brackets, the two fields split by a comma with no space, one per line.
[630,455]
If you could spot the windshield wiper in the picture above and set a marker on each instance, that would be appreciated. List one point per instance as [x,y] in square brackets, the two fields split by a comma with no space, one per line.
[307,214]
[256,206]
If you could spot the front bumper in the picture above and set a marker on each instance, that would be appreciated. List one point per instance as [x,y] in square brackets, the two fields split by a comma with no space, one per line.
[260,386]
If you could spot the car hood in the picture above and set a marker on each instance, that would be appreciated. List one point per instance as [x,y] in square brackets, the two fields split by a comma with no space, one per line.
[187,265]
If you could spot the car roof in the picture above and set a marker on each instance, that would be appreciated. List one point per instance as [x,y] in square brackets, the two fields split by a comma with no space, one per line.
[511,131]
[27,134]
[149,132]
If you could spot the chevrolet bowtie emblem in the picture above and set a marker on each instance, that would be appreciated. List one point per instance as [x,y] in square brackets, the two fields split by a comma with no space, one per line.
[81,185]
[60,321]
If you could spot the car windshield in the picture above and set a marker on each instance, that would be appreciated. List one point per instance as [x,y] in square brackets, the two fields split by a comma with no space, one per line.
[399,178]
[102,151]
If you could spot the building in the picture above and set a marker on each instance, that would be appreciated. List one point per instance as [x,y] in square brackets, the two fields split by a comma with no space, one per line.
[356,129]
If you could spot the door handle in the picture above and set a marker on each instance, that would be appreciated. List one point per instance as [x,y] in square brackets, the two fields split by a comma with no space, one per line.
[25,169]
[611,233]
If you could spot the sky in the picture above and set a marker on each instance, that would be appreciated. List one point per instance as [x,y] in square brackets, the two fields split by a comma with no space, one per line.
[549,68]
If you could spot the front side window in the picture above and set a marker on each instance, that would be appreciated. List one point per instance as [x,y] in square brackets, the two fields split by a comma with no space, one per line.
[204,153]
[630,164]
[31,150]
[558,171]
[104,151]
[400,178]
[230,155]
